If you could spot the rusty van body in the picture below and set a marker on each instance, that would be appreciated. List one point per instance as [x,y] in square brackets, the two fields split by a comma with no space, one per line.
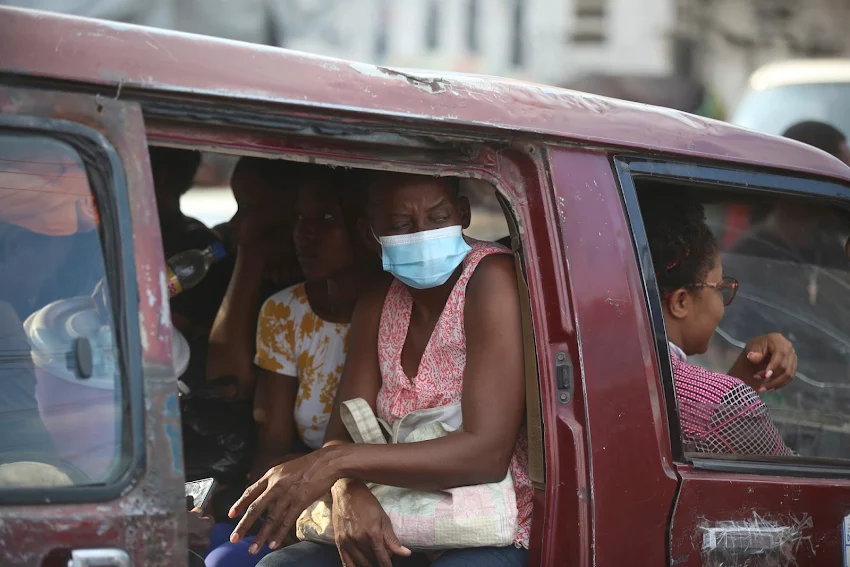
[613,483]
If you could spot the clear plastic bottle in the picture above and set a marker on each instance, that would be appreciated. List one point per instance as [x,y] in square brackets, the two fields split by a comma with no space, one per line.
[186,270]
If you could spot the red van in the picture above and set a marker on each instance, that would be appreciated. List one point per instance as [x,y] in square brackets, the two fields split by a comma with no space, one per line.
[81,101]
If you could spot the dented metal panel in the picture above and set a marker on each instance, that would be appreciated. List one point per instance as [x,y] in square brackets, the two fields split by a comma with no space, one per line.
[148,519]
[759,541]
[755,520]
[142,62]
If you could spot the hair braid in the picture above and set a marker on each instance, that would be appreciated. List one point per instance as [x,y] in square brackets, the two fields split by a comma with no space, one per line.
[682,246]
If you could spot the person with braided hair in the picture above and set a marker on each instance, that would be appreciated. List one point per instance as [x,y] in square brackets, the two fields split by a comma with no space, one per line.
[719,413]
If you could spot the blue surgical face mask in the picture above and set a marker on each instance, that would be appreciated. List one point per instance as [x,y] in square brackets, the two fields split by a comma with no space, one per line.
[427,259]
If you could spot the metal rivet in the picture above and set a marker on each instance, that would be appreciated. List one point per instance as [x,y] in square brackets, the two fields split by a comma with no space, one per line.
[562,356]
[563,397]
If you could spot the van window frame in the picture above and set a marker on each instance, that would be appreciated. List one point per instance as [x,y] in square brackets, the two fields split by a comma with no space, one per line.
[629,168]
[108,185]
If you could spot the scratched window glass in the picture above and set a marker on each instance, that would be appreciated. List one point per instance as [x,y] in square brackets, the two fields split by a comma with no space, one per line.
[60,405]
[790,258]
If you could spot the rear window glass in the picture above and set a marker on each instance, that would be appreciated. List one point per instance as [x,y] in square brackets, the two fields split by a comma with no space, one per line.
[60,407]
[790,259]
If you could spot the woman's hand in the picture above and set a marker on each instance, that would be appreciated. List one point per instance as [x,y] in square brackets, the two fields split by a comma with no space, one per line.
[199,528]
[768,362]
[264,462]
[283,493]
[363,531]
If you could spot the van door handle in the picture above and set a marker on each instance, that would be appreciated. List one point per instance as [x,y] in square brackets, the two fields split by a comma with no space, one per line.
[99,558]
[564,376]
[744,539]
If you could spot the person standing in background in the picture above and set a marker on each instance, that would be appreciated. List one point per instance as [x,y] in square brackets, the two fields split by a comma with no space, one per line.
[822,136]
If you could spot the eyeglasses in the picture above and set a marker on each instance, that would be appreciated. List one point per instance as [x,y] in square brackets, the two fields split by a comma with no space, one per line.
[728,288]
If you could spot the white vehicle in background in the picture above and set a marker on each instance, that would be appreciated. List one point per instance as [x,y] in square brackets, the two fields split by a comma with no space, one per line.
[784,93]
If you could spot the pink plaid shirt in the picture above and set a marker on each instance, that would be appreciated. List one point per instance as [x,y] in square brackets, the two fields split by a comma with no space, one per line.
[439,381]
[721,414]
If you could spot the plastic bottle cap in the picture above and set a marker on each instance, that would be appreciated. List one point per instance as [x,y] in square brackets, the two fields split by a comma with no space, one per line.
[218,250]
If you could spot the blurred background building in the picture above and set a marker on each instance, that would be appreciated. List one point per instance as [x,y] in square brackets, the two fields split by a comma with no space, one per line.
[547,40]
[692,55]
[720,42]
[670,52]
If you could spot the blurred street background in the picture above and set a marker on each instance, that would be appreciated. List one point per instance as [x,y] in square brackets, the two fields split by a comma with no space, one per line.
[692,55]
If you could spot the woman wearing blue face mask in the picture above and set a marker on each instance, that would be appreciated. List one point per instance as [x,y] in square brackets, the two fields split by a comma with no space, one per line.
[445,329]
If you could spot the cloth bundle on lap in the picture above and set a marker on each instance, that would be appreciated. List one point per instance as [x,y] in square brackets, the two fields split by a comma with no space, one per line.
[483,515]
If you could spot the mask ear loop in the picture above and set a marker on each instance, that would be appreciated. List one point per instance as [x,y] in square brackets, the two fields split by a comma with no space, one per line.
[375,236]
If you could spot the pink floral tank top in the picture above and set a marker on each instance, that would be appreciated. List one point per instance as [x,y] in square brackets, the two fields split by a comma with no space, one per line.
[439,381]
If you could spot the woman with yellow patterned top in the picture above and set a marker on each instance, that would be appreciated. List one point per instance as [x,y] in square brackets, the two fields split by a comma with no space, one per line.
[302,330]
[302,333]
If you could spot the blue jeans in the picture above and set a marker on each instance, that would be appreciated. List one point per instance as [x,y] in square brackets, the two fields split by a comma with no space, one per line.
[222,553]
[318,555]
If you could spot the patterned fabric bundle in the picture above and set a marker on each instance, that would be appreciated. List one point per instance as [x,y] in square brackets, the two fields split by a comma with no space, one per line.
[484,515]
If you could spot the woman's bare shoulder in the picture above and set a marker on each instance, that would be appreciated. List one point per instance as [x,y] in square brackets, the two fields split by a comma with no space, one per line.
[495,276]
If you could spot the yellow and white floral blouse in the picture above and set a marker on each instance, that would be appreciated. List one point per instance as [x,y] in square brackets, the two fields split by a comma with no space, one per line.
[293,341]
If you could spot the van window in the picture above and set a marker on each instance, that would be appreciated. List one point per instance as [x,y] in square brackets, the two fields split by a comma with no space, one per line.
[61,401]
[790,258]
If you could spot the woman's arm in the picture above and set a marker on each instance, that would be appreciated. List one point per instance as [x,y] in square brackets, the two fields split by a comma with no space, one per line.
[231,345]
[274,404]
[768,362]
[361,527]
